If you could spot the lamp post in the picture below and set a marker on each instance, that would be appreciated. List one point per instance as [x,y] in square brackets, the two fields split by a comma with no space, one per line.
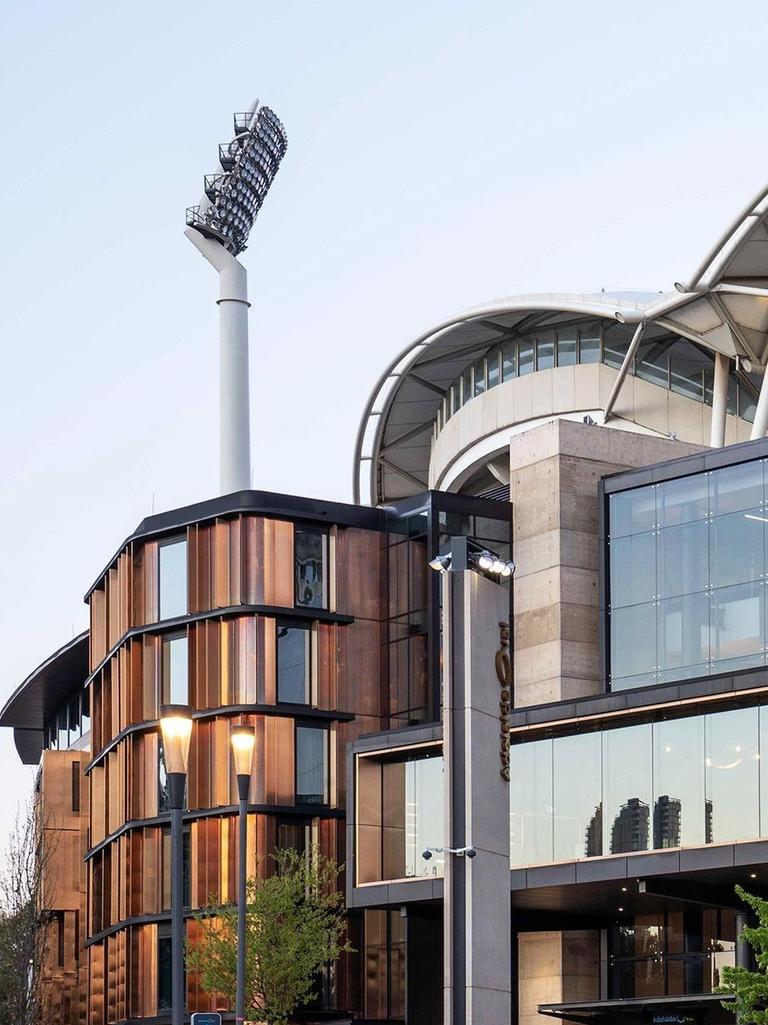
[243,744]
[176,729]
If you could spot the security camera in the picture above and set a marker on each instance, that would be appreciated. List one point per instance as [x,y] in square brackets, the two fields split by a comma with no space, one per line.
[426,855]
[471,853]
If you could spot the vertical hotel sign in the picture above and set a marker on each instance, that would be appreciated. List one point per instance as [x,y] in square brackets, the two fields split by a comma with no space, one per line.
[504,676]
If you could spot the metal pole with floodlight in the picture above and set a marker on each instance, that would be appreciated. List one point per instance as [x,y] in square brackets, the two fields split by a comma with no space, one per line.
[176,729]
[243,744]
[219,227]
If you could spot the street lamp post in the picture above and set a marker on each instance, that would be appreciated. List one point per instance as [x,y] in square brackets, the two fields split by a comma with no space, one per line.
[243,744]
[176,729]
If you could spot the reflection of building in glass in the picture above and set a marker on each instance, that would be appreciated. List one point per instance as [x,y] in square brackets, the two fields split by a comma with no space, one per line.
[594,837]
[667,814]
[708,821]
[629,831]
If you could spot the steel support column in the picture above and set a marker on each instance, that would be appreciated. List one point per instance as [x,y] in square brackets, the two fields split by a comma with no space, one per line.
[760,425]
[624,370]
[719,401]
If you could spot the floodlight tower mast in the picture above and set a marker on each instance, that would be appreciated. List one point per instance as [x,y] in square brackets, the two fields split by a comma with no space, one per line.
[219,227]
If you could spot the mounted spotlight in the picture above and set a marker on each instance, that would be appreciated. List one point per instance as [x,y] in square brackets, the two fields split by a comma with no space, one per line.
[440,563]
[485,560]
[460,852]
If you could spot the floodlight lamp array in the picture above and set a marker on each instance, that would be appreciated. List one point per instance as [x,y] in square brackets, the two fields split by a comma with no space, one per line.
[248,165]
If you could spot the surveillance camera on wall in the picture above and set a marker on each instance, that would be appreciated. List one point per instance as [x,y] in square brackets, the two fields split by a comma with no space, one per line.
[471,853]
[426,855]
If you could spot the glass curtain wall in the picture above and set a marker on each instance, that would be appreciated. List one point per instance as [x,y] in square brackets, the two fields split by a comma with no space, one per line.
[677,783]
[687,563]
[667,360]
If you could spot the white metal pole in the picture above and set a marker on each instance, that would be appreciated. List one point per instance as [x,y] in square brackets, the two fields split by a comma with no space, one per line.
[234,400]
[760,425]
[719,400]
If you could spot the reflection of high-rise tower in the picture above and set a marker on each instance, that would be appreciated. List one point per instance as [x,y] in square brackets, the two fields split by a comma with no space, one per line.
[629,831]
[708,835]
[594,837]
[667,814]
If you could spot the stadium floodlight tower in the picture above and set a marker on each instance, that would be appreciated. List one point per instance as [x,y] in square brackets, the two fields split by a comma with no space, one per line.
[219,227]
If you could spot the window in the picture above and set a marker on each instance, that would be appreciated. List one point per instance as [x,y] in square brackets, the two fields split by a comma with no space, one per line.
[525,358]
[76,786]
[172,559]
[294,835]
[293,664]
[478,377]
[174,671]
[85,711]
[167,867]
[493,369]
[508,361]
[310,547]
[164,968]
[545,351]
[530,824]
[163,796]
[687,570]
[566,347]
[311,765]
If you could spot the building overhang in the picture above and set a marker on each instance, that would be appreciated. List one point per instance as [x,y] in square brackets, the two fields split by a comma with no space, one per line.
[45,689]
[676,1010]
[723,308]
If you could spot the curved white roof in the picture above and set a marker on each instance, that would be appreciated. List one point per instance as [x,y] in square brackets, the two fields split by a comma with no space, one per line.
[723,307]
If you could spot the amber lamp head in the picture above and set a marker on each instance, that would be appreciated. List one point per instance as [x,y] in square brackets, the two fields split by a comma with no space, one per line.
[243,744]
[176,728]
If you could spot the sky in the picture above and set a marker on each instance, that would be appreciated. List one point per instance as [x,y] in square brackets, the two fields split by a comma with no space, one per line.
[441,153]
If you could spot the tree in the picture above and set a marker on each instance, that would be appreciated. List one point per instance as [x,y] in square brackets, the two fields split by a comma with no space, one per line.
[294,930]
[23,922]
[750,987]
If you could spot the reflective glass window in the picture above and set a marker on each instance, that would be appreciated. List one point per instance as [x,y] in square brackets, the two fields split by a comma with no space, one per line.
[478,377]
[627,794]
[63,727]
[686,369]
[763,760]
[545,351]
[508,361]
[684,636]
[747,403]
[466,385]
[615,346]
[74,719]
[589,343]
[682,500]
[311,765]
[174,670]
[566,346]
[736,487]
[737,547]
[531,803]
[633,641]
[423,815]
[633,569]
[163,794]
[732,775]
[493,369]
[632,512]
[524,358]
[578,807]
[652,362]
[738,626]
[293,664]
[682,565]
[85,706]
[172,562]
[678,783]
[454,397]
[164,970]
[310,547]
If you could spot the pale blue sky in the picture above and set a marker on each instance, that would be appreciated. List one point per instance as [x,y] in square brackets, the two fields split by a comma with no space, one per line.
[440,153]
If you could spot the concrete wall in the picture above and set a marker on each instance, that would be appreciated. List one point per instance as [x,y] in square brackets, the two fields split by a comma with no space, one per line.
[485,422]
[554,474]
[556,967]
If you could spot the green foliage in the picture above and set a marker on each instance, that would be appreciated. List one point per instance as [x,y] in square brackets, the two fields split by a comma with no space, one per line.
[294,930]
[750,988]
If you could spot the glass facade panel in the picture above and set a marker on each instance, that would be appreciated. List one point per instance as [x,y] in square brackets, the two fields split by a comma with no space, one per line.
[732,775]
[627,790]
[678,783]
[633,570]
[531,817]
[478,377]
[172,574]
[293,664]
[493,369]
[310,548]
[578,809]
[707,533]
[311,765]
[508,361]
[566,346]
[545,351]
[589,343]
[423,816]
[525,358]
[652,786]
[652,363]
[174,678]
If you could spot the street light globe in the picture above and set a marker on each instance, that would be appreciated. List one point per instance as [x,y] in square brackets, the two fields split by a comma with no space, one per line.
[243,744]
[176,729]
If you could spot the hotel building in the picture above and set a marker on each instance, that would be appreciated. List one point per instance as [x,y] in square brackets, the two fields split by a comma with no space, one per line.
[580,749]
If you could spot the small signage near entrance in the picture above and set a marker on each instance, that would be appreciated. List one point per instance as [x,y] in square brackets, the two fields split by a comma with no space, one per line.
[206,1018]
[671,1019]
